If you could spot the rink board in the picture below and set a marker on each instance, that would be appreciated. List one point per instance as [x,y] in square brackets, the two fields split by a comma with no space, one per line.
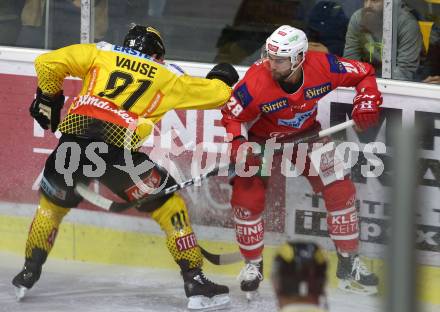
[292,210]
[90,243]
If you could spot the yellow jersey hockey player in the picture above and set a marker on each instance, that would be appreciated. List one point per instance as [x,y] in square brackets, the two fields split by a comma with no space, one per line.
[126,90]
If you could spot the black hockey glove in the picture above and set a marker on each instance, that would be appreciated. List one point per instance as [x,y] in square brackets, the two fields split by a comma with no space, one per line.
[46,110]
[225,72]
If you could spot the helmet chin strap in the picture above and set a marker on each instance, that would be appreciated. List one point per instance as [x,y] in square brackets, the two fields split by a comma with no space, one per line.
[294,69]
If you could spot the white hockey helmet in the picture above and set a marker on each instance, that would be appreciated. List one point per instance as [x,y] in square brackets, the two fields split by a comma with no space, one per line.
[288,41]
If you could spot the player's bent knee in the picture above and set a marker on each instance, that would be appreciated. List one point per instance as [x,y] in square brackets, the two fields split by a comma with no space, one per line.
[249,195]
[172,214]
[340,194]
[52,210]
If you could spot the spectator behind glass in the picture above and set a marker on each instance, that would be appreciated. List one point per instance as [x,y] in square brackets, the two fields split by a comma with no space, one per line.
[32,30]
[299,277]
[241,42]
[433,56]
[10,21]
[122,12]
[64,23]
[327,24]
[364,39]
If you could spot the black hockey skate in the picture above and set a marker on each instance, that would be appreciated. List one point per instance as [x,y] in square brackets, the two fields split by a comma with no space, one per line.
[202,293]
[30,274]
[250,277]
[354,276]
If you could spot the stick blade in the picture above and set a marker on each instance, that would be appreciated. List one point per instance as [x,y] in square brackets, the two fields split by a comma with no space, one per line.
[222,259]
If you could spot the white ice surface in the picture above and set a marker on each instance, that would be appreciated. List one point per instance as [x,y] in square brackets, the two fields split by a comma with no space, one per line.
[86,287]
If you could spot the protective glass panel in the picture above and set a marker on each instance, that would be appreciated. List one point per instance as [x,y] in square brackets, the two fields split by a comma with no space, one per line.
[424,25]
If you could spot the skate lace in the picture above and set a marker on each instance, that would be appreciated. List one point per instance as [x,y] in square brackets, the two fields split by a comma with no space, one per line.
[250,272]
[359,268]
[204,279]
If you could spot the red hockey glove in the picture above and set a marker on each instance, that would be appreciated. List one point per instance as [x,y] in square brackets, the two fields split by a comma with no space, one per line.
[251,159]
[366,108]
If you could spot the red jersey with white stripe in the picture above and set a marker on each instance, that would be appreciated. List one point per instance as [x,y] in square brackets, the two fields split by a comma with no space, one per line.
[260,108]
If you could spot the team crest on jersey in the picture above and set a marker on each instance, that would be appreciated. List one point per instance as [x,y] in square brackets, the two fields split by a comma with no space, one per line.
[335,65]
[298,120]
[317,91]
[243,95]
[274,106]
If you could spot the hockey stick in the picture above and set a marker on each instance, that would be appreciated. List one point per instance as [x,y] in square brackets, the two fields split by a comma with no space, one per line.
[107,204]
[217,259]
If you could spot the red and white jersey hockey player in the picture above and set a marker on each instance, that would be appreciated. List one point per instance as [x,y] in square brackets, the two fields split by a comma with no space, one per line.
[278,97]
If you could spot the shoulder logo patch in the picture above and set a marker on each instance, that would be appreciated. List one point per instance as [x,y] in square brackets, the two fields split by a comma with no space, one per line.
[335,65]
[243,95]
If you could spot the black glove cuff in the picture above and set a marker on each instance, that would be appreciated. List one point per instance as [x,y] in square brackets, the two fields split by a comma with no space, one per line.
[225,72]
[56,101]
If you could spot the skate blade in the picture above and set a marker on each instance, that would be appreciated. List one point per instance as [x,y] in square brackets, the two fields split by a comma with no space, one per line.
[20,292]
[355,287]
[202,303]
[252,295]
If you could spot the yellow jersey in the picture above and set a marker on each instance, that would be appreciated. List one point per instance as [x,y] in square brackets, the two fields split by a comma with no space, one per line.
[124,93]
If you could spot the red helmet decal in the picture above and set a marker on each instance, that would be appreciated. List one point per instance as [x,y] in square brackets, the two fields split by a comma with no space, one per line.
[282,33]
[271,47]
